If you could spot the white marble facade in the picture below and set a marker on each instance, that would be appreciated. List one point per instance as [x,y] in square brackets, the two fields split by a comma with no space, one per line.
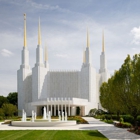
[58,90]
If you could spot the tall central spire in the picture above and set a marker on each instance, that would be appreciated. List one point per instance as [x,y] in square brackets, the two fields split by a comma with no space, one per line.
[103,45]
[24,31]
[46,54]
[39,33]
[88,44]
[84,61]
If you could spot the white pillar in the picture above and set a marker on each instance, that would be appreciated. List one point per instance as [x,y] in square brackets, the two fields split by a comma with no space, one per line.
[54,109]
[47,108]
[69,109]
[65,109]
[61,108]
[58,108]
[73,111]
[51,109]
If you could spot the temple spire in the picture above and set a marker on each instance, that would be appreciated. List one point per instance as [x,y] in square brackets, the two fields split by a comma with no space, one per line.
[103,45]
[84,57]
[25,43]
[39,33]
[88,43]
[46,54]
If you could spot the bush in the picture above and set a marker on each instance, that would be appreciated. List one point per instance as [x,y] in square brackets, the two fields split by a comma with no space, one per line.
[92,112]
[123,125]
[109,121]
[78,119]
[9,109]
[138,118]
[98,116]
[102,117]
[1,113]
[121,120]
[108,117]
[127,118]
[1,118]
[115,117]
[100,112]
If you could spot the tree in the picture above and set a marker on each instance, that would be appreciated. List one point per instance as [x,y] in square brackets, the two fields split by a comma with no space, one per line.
[106,95]
[12,98]
[9,109]
[3,100]
[123,88]
[1,112]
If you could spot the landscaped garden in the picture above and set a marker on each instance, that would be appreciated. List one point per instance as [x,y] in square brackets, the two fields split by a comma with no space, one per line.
[51,135]
[121,121]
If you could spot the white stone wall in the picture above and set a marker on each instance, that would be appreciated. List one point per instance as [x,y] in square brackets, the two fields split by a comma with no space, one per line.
[39,83]
[98,80]
[23,88]
[84,83]
[93,87]
[63,84]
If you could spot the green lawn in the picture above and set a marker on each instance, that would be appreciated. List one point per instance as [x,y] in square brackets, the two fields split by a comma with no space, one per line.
[51,135]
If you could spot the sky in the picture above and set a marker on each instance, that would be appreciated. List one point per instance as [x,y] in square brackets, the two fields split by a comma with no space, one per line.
[63,29]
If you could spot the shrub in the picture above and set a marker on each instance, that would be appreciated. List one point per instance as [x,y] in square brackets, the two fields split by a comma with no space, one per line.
[92,112]
[114,117]
[127,118]
[123,125]
[100,112]
[9,109]
[1,118]
[78,119]
[1,113]
[109,121]
[138,118]
[108,117]
[121,120]
[97,116]
[102,117]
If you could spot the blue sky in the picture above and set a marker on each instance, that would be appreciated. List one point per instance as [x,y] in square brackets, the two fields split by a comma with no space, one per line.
[63,27]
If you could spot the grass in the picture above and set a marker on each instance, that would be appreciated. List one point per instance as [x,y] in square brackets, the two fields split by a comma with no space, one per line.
[51,135]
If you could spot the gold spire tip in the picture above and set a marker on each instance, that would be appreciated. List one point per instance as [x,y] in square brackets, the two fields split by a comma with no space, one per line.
[25,44]
[88,44]
[103,45]
[39,33]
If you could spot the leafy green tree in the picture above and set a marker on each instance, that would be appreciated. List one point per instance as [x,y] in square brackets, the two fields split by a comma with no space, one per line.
[9,109]
[1,112]
[3,100]
[107,95]
[12,98]
[121,94]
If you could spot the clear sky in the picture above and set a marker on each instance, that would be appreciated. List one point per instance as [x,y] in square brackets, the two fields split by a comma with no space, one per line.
[63,26]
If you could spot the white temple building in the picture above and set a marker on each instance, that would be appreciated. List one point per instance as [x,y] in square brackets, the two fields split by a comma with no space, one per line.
[59,90]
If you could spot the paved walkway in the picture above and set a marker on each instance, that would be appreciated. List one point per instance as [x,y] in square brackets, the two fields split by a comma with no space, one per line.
[108,130]
[111,132]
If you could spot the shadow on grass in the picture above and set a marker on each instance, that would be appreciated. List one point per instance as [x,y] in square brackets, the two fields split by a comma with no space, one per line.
[96,134]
